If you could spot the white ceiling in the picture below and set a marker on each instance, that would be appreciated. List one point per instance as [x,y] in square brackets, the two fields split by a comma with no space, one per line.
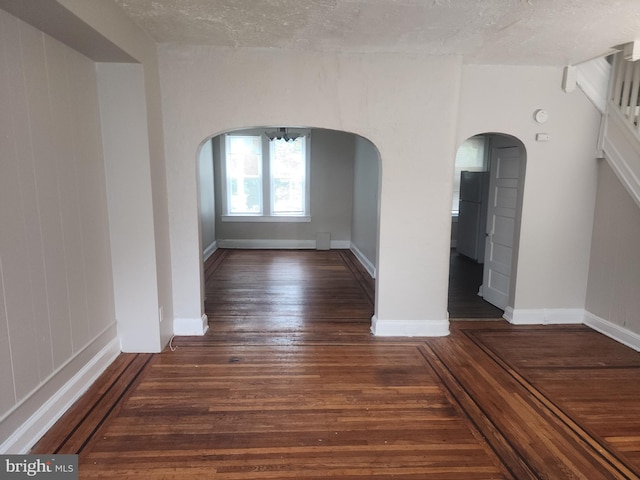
[526,32]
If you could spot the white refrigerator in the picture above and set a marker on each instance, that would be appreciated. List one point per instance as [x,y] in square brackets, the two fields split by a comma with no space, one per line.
[472,216]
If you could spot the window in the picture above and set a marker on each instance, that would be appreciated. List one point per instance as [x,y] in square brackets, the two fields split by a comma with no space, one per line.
[471,156]
[244,175]
[288,176]
[265,180]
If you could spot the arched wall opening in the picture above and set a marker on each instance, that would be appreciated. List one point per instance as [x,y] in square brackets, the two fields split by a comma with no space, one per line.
[486,214]
[207,91]
[344,178]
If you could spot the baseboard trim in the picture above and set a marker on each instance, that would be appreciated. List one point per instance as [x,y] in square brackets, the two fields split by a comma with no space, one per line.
[35,415]
[612,330]
[409,328]
[364,261]
[276,244]
[267,244]
[544,316]
[209,250]
[508,312]
[190,327]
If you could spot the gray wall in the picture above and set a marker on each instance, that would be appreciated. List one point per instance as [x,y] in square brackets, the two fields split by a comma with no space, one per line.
[206,205]
[366,186]
[331,189]
[614,270]
[56,291]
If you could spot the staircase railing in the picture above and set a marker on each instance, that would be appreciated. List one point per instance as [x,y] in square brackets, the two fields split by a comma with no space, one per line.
[626,90]
[621,133]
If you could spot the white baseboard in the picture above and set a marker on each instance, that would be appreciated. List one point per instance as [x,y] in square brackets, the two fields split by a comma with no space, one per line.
[369,267]
[409,328]
[612,330]
[275,244]
[574,316]
[544,316]
[267,244]
[209,250]
[32,417]
[190,327]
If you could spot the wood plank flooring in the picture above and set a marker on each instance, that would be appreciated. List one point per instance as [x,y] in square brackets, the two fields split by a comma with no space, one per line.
[289,384]
[465,278]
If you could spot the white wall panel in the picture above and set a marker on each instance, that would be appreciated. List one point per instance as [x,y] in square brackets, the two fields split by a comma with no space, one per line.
[45,160]
[8,175]
[614,271]
[109,20]
[64,141]
[7,392]
[92,192]
[55,270]
[20,239]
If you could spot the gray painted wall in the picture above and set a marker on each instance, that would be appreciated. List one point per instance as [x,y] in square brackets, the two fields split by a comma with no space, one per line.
[331,190]
[207,202]
[366,186]
[614,270]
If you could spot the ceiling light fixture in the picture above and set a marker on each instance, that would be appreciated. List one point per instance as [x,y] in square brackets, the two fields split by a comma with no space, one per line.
[282,133]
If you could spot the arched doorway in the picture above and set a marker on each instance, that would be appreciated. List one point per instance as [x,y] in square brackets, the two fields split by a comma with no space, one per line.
[343,195]
[489,184]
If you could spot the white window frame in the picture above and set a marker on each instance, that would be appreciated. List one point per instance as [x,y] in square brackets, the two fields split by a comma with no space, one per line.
[272,178]
[267,214]
[227,182]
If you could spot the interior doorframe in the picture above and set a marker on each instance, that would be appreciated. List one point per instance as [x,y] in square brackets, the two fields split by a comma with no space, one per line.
[490,136]
[518,213]
[369,264]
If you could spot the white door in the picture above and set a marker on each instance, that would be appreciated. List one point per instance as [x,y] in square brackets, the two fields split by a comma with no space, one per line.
[506,174]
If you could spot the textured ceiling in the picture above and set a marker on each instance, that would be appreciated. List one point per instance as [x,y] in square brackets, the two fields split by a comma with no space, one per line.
[528,32]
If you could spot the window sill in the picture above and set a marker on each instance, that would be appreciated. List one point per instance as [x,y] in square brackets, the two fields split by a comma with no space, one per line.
[266,218]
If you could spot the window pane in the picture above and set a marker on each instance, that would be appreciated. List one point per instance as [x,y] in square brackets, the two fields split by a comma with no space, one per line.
[244,174]
[470,157]
[288,176]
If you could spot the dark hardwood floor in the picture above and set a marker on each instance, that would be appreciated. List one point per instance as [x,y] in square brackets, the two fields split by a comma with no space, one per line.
[465,278]
[289,384]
